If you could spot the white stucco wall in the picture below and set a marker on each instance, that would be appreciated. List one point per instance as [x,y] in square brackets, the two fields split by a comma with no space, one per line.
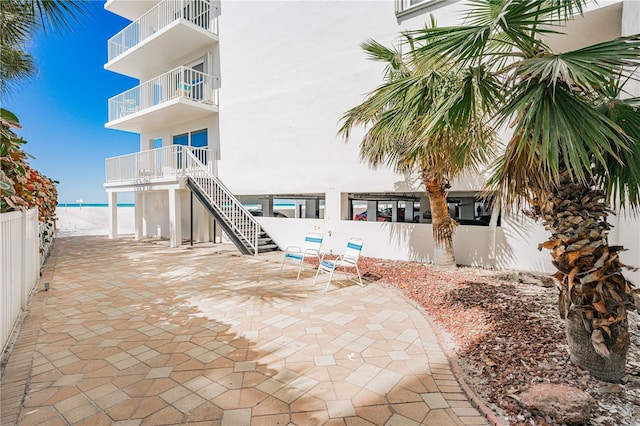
[156,214]
[289,70]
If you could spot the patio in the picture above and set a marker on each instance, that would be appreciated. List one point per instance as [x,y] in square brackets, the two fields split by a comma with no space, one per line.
[137,333]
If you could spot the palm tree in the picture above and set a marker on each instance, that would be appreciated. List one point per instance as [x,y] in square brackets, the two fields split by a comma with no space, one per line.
[19,21]
[396,113]
[575,150]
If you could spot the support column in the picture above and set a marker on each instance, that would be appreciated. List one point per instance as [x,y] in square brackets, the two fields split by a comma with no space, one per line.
[336,205]
[139,213]
[424,208]
[267,206]
[336,208]
[372,211]
[112,200]
[408,211]
[202,223]
[175,221]
[312,209]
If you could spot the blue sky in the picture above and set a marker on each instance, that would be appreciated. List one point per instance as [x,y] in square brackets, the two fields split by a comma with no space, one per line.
[63,109]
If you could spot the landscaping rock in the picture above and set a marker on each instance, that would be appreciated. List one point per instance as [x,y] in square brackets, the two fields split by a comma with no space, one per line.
[565,404]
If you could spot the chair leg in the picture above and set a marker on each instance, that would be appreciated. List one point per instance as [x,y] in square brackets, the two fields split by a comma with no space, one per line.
[359,276]
[300,269]
[317,273]
[329,282]
[346,274]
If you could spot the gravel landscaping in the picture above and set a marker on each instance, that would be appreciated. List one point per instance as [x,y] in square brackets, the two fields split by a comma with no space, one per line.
[505,332]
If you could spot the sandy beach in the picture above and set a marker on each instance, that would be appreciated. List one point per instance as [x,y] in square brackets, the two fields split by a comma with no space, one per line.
[74,221]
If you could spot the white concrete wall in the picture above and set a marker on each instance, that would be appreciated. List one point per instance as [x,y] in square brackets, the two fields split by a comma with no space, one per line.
[515,247]
[411,241]
[156,213]
[289,71]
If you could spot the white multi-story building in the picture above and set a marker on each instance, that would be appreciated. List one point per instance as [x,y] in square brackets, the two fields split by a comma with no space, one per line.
[247,95]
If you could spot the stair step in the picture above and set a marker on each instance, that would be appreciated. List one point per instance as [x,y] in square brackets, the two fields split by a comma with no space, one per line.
[265,243]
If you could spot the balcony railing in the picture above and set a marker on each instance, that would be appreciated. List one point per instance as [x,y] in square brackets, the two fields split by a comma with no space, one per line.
[198,12]
[142,167]
[181,82]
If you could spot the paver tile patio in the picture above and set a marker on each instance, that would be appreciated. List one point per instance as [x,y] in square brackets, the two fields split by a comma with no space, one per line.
[136,333]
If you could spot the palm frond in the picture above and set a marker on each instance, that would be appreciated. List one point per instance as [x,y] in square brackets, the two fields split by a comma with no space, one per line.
[462,44]
[397,113]
[585,70]
[16,22]
[17,65]
[556,128]
[58,15]
[392,57]
[621,177]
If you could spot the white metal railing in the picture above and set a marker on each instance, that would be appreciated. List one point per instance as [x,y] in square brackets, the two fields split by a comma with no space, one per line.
[198,12]
[179,160]
[19,266]
[141,167]
[181,82]
[244,225]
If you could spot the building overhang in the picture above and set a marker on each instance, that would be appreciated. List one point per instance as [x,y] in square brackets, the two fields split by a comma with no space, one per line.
[141,185]
[167,114]
[129,9]
[179,40]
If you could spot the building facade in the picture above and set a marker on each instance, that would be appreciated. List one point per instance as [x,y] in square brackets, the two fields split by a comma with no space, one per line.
[256,89]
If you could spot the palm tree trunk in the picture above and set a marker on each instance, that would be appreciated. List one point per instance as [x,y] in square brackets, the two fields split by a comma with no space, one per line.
[442,223]
[594,294]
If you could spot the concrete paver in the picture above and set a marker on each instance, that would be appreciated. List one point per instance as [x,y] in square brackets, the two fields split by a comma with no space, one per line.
[136,333]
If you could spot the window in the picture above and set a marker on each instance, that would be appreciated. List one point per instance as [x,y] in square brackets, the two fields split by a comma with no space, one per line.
[404,7]
[196,139]
[199,139]
[181,139]
[467,208]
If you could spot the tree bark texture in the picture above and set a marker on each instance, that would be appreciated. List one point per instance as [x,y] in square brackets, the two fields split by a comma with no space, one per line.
[441,221]
[594,294]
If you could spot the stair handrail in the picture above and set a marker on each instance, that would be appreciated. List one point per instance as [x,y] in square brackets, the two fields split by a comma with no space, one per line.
[193,164]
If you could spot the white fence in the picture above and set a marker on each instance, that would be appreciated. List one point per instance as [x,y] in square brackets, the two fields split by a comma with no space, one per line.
[19,266]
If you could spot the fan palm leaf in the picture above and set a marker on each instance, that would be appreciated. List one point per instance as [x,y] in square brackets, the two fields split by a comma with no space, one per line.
[396,116]
[574,150]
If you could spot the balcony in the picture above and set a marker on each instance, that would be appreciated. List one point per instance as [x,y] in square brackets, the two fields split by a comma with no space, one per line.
[180,95]
[167,33]
[128,9]
[155,166]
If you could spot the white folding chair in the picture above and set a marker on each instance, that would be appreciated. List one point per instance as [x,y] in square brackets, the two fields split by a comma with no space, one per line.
[346,261]
[296,255]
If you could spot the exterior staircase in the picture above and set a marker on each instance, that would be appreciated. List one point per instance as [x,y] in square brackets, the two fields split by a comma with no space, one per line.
[235,220]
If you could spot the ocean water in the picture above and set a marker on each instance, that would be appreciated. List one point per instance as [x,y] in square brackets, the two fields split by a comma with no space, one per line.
[93,205]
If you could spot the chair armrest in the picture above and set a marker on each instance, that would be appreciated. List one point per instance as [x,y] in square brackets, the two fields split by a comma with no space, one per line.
[323,254]
[293,249]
